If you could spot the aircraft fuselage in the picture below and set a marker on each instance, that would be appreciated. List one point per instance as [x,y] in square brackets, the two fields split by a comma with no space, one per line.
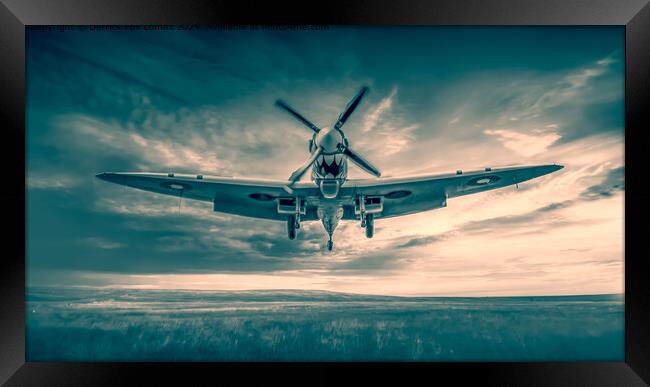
[329,172]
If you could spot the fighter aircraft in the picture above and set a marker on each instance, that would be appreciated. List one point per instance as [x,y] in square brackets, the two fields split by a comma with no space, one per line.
[330,196]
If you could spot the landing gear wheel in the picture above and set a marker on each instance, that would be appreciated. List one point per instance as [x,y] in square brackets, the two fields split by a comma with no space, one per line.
[370,225]
[330,245]
[291,227]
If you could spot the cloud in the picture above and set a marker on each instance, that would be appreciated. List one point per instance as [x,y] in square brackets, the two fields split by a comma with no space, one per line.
[524,144]
[115,73]
[421,241]
[375,114]
[545,219]
[216,242]
[51,181]
[253,249]
[102,243]
[571,88]
[375,262]
[88,115]
[385,129]
[612,183]
[537,221]
[95,135]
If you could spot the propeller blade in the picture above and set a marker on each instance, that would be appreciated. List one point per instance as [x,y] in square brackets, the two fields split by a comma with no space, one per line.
[297,174]
[294,113]
[350,108]
[361,162]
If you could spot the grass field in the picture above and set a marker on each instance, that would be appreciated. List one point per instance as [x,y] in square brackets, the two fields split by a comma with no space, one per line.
[72,324]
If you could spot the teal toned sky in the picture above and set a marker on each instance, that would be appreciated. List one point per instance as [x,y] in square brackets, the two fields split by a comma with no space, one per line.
[440,99]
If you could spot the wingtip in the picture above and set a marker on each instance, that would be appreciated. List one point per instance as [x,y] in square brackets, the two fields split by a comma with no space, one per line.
[107,176]
[550,168]
[553,167]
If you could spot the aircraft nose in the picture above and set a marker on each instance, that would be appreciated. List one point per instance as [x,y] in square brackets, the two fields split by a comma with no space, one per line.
[329,139]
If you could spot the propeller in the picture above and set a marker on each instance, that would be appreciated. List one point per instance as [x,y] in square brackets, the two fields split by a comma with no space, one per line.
[350,108]
[361,162]
[297,174]
[329,141]
[299,116]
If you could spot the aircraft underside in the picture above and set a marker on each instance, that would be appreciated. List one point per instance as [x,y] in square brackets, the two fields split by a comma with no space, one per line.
[330,212]
[330,197]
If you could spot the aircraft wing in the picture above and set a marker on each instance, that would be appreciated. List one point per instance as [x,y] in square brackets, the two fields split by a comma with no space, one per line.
[238,196]
[409,195]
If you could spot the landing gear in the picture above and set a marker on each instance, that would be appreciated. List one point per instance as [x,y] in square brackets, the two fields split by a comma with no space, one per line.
[362,210]
[370,225]
[366,207]
[297,216]
[291,226]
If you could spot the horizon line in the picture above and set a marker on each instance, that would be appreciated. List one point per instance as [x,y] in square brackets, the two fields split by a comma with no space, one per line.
[127,287]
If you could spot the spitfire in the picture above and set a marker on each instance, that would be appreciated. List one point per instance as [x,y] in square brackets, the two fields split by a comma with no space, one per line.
[330,196]
[329,141]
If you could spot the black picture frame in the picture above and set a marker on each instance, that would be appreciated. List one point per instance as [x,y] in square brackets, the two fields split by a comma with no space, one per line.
[633,14]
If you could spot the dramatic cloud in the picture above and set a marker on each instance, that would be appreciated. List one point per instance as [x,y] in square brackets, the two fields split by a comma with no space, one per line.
[53,180]
[373,116]
[524,144]
[385,130]
[203,103]
[99,136]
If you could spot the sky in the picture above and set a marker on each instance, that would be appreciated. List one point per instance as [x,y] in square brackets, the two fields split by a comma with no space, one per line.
[440,99]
